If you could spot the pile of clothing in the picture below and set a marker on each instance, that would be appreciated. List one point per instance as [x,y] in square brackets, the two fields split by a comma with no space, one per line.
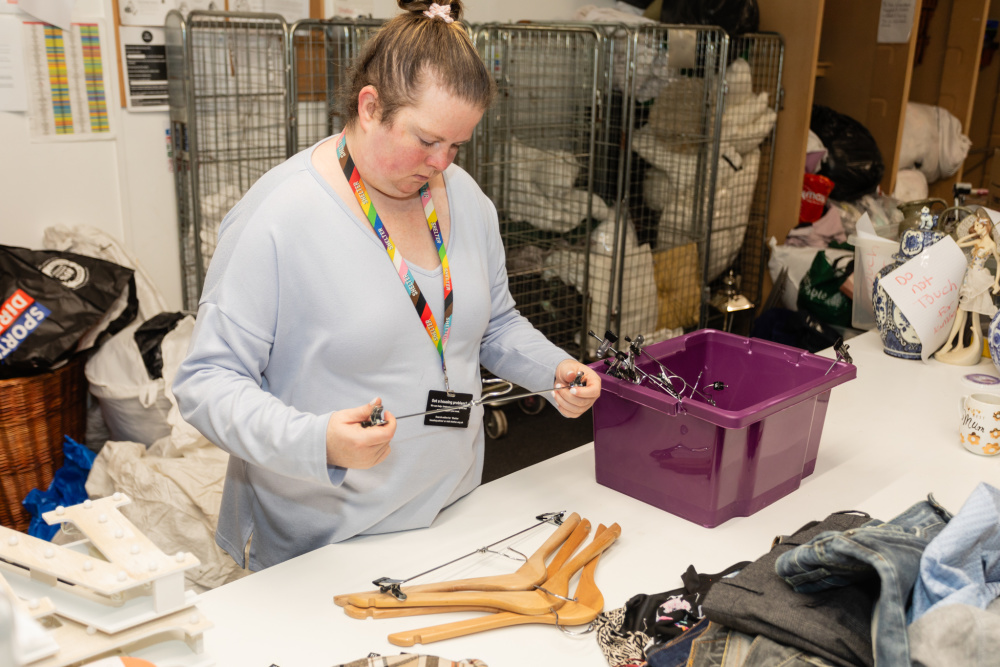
[932,147]
[921,589]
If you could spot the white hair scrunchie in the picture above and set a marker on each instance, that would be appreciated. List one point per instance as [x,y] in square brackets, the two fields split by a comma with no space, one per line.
[437,11]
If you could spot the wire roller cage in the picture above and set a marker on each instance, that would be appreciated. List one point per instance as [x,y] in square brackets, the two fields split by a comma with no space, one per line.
[321,56]
[532,155]
[735,273]
[629,164]
[663,140]
[229,106]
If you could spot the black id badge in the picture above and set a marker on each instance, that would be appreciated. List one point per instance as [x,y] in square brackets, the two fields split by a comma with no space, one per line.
[457,418]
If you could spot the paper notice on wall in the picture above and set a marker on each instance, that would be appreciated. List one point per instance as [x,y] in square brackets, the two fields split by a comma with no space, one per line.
[144,56]
[54,12]
[926,291]
[13,95]
[67,81]
[895,21]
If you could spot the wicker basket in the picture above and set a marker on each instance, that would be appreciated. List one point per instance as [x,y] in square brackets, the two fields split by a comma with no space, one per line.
[35,413]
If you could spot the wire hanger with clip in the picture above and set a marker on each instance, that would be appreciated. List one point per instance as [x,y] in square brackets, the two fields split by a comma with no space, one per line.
[392,586]
[376,418]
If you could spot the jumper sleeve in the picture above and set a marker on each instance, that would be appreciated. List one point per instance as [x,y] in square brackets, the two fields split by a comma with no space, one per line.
[222,386]
[218,389]
[512,348]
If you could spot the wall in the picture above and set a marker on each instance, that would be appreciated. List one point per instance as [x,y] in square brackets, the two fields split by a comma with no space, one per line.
[985,128]
[123,186]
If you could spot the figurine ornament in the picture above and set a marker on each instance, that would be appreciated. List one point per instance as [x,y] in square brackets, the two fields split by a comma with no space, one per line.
[975,295]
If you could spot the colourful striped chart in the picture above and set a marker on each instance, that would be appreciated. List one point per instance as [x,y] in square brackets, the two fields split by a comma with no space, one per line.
[67,89]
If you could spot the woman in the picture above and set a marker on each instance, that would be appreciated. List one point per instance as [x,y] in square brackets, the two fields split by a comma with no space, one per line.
[367,265]
[975,296]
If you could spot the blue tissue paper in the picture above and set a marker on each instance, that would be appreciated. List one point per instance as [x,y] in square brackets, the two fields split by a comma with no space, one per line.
[68,487]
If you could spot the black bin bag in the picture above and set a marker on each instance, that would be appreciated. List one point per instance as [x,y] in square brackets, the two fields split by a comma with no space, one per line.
[736,17]
[53,304]
[853,161]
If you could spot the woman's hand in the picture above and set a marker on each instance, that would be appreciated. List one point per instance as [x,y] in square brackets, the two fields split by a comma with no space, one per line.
[574,401]
[350,445]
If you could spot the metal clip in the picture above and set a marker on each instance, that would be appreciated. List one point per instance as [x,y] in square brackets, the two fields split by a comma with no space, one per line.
[840,348]
[375,419]
[391,586]
[555,518]
[606,343]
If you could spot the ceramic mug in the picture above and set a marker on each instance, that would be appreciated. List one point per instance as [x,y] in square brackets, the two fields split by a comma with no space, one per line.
[980,432]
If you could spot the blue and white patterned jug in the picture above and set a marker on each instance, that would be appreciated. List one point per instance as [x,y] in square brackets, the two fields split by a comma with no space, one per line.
[899,338]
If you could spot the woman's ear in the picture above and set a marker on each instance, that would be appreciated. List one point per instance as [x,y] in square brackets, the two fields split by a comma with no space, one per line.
[368,106]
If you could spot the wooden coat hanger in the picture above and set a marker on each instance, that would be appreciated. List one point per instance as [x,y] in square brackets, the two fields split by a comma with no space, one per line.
[589,603]
[522,602]
[567,549]
[530,574]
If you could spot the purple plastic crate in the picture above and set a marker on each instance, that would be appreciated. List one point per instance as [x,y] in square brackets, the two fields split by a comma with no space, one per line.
[708,463]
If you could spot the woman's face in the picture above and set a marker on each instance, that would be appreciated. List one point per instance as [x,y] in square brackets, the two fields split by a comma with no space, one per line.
[420,143]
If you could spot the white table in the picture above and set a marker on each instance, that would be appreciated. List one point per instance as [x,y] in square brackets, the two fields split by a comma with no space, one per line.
[890,437]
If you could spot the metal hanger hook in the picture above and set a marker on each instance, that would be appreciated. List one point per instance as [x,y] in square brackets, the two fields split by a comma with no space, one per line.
[573,633]
[501,391]
[577,633]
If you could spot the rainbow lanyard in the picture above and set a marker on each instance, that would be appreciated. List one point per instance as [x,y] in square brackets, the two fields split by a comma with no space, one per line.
[419,303]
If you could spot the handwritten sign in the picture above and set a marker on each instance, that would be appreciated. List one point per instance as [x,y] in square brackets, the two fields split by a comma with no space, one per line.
[926,290]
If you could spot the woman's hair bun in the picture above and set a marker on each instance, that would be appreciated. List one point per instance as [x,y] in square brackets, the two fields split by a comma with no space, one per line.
[420,6]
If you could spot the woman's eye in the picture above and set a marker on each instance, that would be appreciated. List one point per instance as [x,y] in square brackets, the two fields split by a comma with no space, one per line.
[428,144]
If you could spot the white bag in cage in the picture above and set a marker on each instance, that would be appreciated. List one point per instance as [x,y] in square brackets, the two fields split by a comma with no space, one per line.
[731,216]
[663,189]
[745,124]
[650,61]
[736,182]
[539,185]
[639,303]
[679,112]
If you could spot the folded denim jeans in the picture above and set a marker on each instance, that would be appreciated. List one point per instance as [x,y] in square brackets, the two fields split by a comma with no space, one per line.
[887,552]
[676,652]
[720,646]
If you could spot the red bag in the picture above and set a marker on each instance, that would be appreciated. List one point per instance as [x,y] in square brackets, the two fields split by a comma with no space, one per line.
[815,190]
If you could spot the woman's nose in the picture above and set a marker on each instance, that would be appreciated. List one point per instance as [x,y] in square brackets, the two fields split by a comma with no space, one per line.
[439,159]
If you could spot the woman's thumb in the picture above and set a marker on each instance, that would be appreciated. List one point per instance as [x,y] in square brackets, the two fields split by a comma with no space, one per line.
[364,412]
